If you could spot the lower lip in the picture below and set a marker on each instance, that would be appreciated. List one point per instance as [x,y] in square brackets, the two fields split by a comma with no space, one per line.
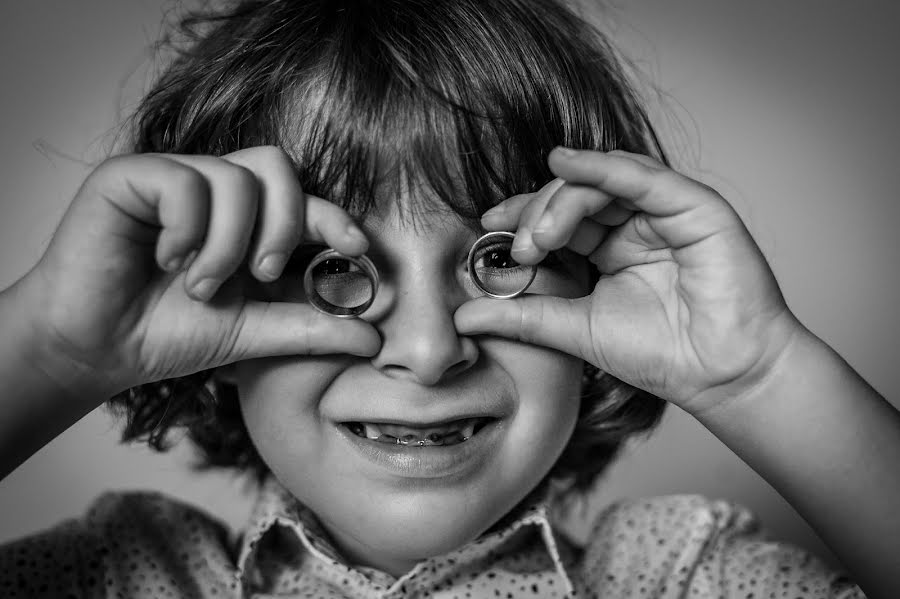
[431,461]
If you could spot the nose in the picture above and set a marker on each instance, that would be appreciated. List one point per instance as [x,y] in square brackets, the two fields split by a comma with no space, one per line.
[419,340]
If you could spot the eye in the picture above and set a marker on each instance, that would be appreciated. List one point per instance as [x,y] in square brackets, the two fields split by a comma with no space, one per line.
[333,267]
[336,280]
[493,269]
[496,256]
[340,286]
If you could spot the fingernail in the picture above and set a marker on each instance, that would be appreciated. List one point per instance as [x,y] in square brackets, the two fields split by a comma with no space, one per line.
[174,264]
[564,151]
[495,211]
[272,264]
[544,224]
[204,289]
[493,217]
[522,242]
[355,232]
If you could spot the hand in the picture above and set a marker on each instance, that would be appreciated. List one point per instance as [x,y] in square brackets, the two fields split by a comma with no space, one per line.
[137,284]
[686,306]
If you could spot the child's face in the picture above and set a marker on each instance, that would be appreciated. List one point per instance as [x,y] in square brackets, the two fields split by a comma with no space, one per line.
[389,505]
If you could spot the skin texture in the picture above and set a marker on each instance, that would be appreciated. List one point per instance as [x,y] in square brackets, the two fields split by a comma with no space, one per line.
[293,406]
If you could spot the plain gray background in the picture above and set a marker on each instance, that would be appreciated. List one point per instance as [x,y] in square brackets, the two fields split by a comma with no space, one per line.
[787,108]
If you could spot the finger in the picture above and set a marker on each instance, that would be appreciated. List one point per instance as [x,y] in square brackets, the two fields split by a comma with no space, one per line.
[633,243]
[183,213]
[234,193]
[685,210]
[149,190]
[612,215]
[648,161]
[563,212]
[524,250]
[550,321]
[330,224]
[279,329]
[279,226]
[587,237]
[505,216]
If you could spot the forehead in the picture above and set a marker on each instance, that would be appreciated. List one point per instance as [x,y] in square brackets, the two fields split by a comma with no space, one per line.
[415,209]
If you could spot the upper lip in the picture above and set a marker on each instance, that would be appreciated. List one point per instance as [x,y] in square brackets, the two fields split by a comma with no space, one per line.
[423,407]
[401,421]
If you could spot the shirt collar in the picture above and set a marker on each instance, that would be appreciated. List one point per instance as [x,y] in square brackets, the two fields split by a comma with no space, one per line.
[275,506]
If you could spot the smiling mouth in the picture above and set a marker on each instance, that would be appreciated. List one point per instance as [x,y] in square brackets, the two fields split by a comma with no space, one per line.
[450,433]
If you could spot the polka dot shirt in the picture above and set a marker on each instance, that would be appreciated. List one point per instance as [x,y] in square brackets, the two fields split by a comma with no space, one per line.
[147,545]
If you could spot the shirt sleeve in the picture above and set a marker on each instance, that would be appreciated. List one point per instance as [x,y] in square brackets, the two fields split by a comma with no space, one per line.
[63,561]
[691,546]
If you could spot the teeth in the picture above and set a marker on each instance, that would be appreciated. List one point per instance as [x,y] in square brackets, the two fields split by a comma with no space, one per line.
[388,433]
[371,430]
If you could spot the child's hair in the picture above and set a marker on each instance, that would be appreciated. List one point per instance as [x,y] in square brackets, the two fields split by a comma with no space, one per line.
[464,98]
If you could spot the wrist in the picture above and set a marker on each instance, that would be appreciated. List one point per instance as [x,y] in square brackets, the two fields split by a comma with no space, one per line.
[794,354]
[34,352]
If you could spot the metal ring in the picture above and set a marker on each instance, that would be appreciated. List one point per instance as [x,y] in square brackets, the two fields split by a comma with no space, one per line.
[477,282]
[320,304]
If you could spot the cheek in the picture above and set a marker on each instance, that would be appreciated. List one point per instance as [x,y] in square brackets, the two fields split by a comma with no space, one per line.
[548,386]
[280,399]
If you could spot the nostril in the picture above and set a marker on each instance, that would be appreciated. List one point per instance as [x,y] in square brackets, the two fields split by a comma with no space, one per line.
[458,368]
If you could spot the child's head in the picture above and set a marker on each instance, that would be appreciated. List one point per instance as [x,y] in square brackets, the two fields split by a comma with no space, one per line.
[416,117]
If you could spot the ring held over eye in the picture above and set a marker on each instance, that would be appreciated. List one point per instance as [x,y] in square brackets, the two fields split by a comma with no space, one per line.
[345,286]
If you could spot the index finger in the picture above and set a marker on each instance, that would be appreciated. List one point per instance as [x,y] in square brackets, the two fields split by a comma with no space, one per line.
[679,210]
[639,182]
[330,224]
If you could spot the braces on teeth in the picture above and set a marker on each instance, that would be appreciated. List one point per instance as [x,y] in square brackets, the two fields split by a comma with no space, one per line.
[373,432]
[426,441]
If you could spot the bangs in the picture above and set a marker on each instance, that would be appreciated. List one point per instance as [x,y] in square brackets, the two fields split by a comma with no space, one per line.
[459,101]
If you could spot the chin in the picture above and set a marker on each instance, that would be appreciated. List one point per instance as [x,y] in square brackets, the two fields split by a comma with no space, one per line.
[406,526]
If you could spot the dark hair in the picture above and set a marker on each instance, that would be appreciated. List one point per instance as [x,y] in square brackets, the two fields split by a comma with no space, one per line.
[465,97]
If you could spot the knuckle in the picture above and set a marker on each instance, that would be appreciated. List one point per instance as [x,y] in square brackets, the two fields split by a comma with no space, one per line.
[111,169]
[667,178]
[239,178]
[531,315]
[274,154]
[187,181]
[114,163]
[663,183]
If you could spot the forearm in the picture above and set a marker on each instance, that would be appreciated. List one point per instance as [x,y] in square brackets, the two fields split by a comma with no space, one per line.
[37,404]
[830,444]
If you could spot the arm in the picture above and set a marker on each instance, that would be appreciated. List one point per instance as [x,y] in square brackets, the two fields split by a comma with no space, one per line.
[37,405]
[687,308]
[843,474]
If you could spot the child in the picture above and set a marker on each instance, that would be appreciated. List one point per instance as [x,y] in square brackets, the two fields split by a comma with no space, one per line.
[415,450]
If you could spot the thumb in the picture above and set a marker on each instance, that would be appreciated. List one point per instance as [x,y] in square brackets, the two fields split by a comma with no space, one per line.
[279,329]
[555,322]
